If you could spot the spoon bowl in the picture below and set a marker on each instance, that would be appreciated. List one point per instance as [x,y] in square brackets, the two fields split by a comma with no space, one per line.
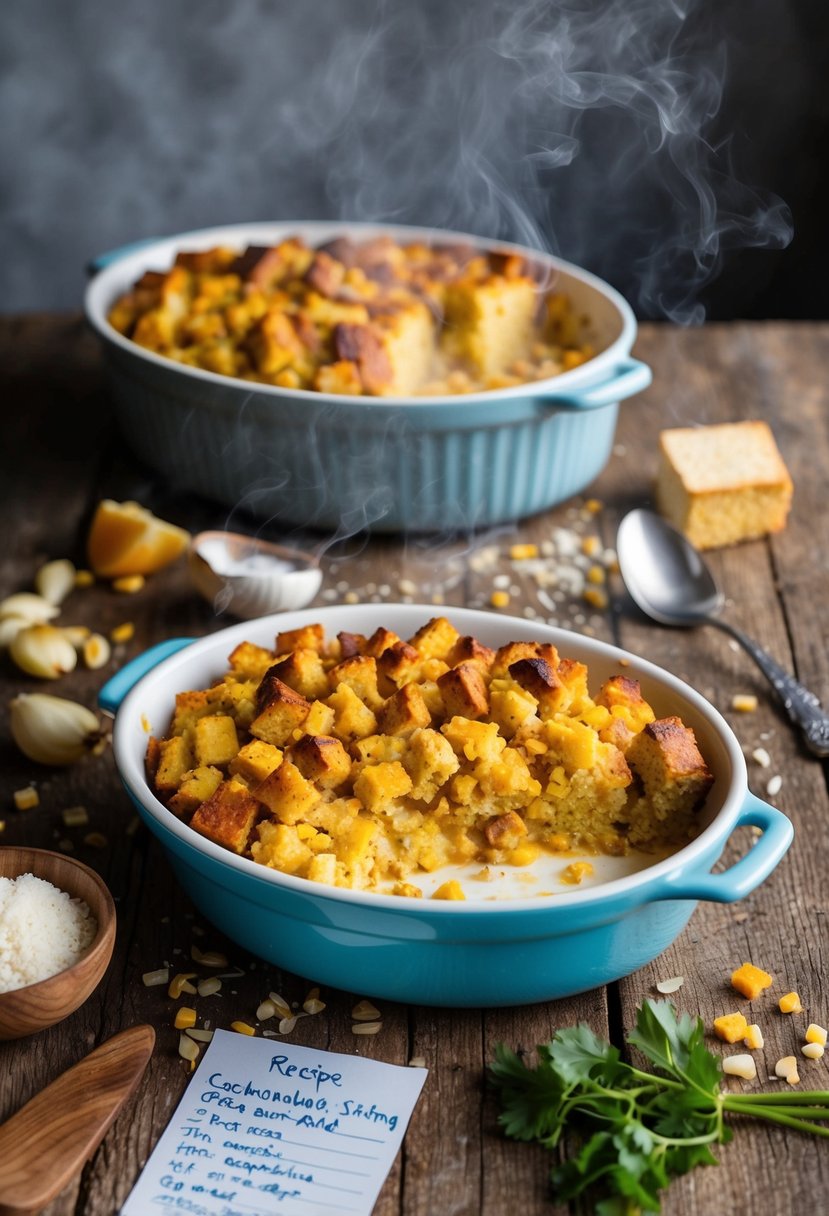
[25,1011]
[249,577]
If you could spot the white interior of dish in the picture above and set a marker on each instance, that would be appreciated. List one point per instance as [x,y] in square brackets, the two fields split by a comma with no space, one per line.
[611,321]
[147,709]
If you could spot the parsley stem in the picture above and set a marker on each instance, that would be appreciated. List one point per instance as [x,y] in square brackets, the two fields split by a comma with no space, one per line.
[778,1116]
[795,1110]
[813,1097]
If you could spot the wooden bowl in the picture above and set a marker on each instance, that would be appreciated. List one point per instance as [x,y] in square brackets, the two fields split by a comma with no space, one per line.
[27,1010]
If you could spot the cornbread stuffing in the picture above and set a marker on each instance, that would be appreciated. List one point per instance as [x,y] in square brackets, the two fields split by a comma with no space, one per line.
[361,761]
[369,318]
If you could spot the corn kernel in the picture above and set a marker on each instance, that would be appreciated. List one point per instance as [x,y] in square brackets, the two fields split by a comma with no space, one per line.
[154,979]
[181,983]
[815,1034]
[590,546]
[208,958]
[185,1017]
[122,633]
[201,1036]
[26,798]
[595,597]
[754,1038]
[96,651]
[242,1028]
[499,599]
[449,890]
[209,987]
[597,575]
[266,1010]
[744,703]
[95,840]
[75,816]
[522,552]
[740,1066]
[812,1051]
[84,578]
[575,872]
[128,584]
[730,1027]
[593,505]
[790,1003]
[750,980]
[188,1049]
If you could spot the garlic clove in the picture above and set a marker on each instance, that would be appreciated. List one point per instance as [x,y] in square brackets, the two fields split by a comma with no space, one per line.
[43,651]
[33,608]
[52,730]
[55,580]
[96,651]
[76,634]
[10,626]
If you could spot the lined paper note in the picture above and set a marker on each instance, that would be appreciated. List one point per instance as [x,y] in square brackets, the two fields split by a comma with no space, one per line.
[267,1127]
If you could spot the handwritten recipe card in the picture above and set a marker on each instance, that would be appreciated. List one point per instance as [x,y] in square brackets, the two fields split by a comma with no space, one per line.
[266,1127]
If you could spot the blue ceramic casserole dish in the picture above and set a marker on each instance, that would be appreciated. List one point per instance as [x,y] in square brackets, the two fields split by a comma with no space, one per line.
[432,952]
[389,463]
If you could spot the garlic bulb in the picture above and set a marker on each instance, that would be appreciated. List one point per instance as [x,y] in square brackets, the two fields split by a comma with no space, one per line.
[43,651]
[33,608]
[55,580]
[52,730]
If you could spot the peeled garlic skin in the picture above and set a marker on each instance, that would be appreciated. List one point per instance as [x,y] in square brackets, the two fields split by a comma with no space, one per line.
[43,651]
[52,730]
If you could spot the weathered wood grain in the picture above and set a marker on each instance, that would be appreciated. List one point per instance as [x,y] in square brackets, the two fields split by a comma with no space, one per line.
[66,455]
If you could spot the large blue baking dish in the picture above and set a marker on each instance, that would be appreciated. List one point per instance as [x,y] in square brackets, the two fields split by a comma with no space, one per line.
[477,953]
[391,463]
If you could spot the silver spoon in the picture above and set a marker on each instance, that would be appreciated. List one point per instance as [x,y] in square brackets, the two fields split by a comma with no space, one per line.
[671,583]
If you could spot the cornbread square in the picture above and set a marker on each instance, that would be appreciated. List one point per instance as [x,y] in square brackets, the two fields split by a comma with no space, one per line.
[490,323]
[723,484]
[227,816]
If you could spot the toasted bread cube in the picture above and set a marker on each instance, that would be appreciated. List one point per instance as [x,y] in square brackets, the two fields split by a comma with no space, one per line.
[352,718]
[378,785]
[280,847]
[430,762]
[322,759]
[175,759]
[513,652]
[360,674]
[227,816]
[374,749]
[573,676]
[255,761]
[283,713]
[190,706]
[303,671]
[320,720]
[464,691]
[505,831]
[308,637]
[379,641]
[356,840]
[197,786]
[470,650]
[216,740]
[629,711]
[404,712]
[251,661]
[571,742]
[474,740]
[287,794]
[351,644]
[510,706]
[489,323]
[152,757]
[398,663]
[538,678]
[750,980]
[666,758]
[435,639]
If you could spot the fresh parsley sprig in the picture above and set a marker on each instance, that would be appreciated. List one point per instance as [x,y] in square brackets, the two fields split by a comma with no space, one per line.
[638,1129]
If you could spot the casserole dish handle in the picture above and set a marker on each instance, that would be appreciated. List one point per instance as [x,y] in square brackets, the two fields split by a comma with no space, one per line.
[626,378]
[114,691]
[102,260]
[746,874]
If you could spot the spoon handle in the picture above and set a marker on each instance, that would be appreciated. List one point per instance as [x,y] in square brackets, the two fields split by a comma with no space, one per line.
[802,706]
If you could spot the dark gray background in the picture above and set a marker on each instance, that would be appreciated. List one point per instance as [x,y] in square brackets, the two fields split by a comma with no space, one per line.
[677,149]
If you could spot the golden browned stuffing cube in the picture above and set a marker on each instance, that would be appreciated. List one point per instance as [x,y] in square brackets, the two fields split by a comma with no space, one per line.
[351,644]
[573,676]
[352,717]
[227,816]
[435,639]
[152,757]
[216,740]
[510,706]
[320,720]
[464,691]
[255,761]
[189,707]
[307,637]
[250,661]
[376,748]
[381,640]
[629,711]
[342,377]
[468,649]
[175,759]
[362,346]
[303,671]
[398,663]
[505,831]
[404,711]
[665,756]
[274,344]
[287,794]
[541,681]
[325,274]
[360,674]
[196,787]
[513,652]
[378,785]
[280,847]
[284,712]
[474,740]
[430,761]
[322,759]
[490,323]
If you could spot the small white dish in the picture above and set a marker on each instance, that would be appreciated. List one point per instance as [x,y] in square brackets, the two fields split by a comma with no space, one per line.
[248,577]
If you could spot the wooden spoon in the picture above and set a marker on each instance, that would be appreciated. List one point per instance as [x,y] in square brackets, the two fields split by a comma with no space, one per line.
[49,1139]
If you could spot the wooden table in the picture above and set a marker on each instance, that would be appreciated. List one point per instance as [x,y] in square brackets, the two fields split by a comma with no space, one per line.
[61,454]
